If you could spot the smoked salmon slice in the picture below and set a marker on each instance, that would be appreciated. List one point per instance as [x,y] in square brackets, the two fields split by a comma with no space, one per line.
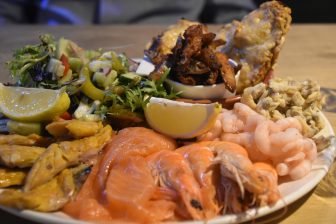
[121,187]
[85,206]
[134,141]
[129,189]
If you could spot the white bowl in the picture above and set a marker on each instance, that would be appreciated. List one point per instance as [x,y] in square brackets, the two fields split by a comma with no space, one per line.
[200,91]
[203,91]
[188,91]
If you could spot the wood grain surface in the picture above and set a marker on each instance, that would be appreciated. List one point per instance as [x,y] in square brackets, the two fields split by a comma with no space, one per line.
[308,53]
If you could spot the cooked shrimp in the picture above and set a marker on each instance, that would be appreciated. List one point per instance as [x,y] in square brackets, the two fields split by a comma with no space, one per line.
[272,195]
[235,164]
[243,111]
[252,121]
[288,122]
[230,196]
[242,183]
[261,137]
[298,162]
[280,139]
[300,170]
[246,139]
[200,159]
[175,173]
[214,132]
[281,142]
[231,122]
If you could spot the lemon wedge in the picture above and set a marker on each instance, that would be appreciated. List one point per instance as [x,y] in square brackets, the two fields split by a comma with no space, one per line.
[179,119]
[32,104]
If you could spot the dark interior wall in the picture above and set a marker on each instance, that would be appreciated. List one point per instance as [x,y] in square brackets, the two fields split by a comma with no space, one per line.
[311,11]
[55,12]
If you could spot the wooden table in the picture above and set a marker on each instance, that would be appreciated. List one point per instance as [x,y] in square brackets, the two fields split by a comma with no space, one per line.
[309,52]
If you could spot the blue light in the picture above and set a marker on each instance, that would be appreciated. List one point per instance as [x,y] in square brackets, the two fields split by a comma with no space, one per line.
[44,4]
[52,22]
[66,14]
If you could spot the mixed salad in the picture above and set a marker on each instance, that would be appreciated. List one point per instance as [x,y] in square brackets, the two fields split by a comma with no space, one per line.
[101,85]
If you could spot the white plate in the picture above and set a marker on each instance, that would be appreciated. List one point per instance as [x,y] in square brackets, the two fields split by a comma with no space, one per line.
[290,191]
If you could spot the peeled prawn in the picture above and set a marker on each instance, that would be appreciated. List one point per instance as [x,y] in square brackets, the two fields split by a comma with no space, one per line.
[214,132]
[281,142]
[298,163]
[246,139]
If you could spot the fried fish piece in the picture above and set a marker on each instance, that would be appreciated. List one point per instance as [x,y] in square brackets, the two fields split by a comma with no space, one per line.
[165,42]
[19,156]
[47,197]
[74,128]
[255,42]
[29,140]
[59,156]
[194,60]
[11,177]
[228,73]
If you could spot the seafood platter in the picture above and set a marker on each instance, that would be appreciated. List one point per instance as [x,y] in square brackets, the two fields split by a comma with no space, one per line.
[200,130]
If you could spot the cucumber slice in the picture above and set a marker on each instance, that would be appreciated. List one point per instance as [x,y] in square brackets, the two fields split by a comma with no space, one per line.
[99,79]
[53,65]
[75,64]
[130,77]
[62,47]
[110,78]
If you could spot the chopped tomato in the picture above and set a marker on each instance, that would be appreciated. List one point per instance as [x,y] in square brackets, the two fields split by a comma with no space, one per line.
[65,62]
[66,116]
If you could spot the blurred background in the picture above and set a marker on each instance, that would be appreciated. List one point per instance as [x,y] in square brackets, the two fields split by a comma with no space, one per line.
[81,12]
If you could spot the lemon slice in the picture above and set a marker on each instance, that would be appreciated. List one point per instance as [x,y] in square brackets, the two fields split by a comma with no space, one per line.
[179,119]
[32,104]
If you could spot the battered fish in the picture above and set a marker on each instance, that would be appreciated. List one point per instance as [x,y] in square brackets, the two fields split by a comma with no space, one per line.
[48,197]
[164,43]
[74,128]
[29,140]
[255,42]
[19,156]
[10,177]
[59,156]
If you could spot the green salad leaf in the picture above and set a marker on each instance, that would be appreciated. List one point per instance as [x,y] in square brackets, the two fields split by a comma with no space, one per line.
[28,66]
